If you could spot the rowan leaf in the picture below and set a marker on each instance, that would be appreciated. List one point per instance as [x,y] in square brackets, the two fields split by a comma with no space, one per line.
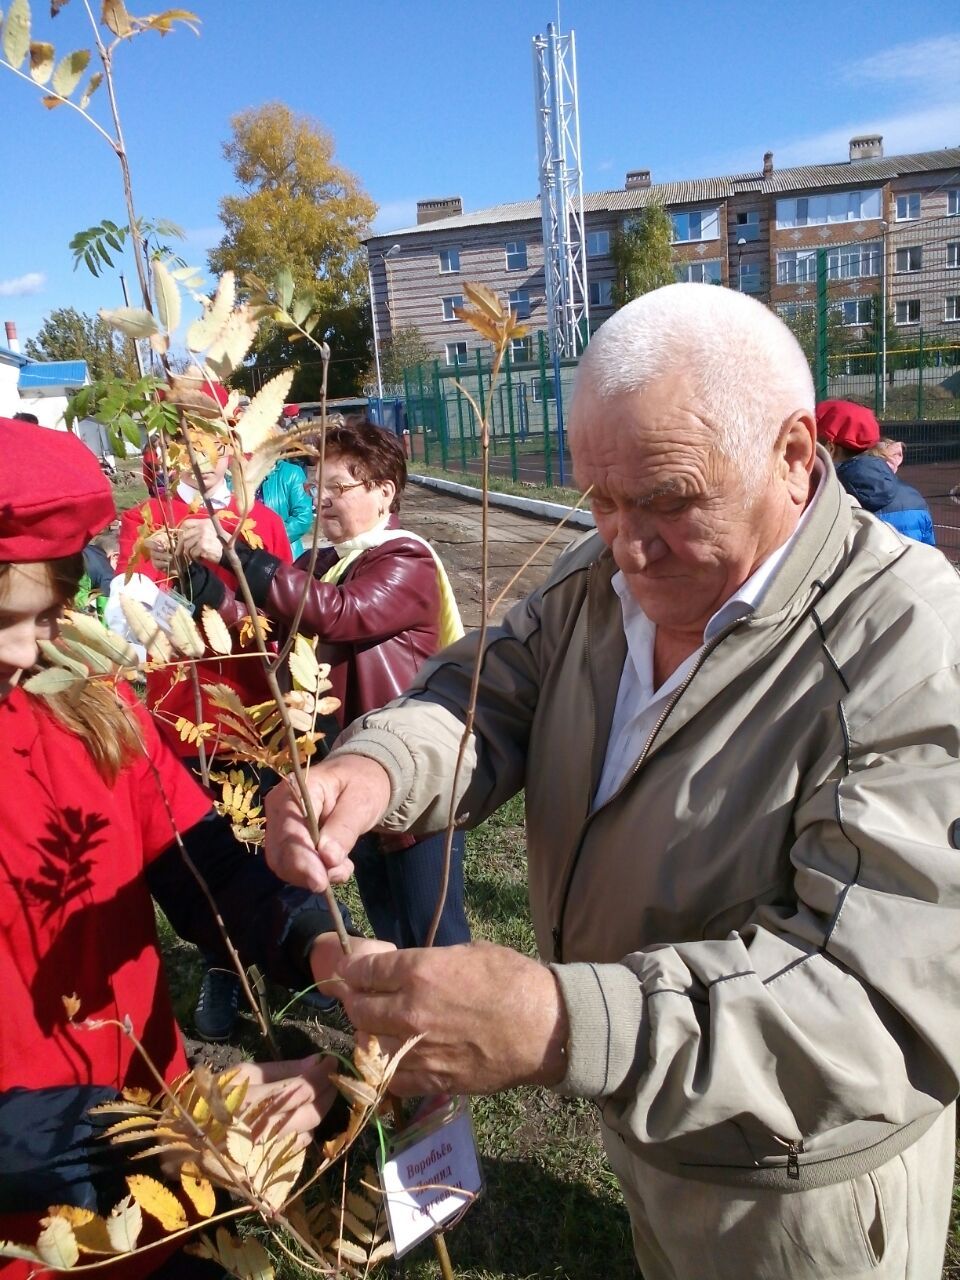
[484,299]
[51,680]
[304,667]
[87,631]
[282,1175]
[135,322]
[203,332]
[226,353]
[259,422]
[157,1200]
[357,1092]
[10,1250]
[115,18]
[163,22]
[216,631]
[93,84]
[89,1229]
[124,1225]
[16,33]
[184,634]
[57,1245]
[146,629]
[167,296]
[68,72]
[54,654]
[41,61]
[198,1190]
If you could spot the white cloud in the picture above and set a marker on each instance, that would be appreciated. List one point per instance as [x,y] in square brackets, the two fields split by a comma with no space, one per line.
[932,65]
[394,215]
[22,286]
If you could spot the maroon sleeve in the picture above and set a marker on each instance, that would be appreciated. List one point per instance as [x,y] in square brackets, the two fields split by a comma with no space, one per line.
[390,590]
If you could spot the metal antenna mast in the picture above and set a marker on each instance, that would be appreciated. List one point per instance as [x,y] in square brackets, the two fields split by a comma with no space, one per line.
[561,190]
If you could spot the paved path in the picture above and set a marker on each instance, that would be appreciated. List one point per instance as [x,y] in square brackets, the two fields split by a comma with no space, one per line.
[453,525]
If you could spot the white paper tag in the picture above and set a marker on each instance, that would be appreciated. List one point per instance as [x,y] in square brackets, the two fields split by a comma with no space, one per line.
[165,606]
[430,1175]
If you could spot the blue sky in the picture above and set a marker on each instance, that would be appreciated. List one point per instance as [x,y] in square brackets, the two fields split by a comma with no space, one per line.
[434,97]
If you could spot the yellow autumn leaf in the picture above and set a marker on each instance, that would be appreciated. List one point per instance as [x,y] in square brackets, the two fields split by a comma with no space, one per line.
[248,532]
[89,1229]
[304,667]
[157,1200]
[215,315]
[57,1245]
[484,299]
[259,422]
[197,1189]
[184,634]
[146,629]
[216,631]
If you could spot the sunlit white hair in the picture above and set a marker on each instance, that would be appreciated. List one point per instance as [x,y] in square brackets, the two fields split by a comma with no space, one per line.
[747,368]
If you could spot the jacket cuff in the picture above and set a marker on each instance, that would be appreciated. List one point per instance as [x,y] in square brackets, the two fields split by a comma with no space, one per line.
[202,587]
[259,568]
[608,1043]
[387,749]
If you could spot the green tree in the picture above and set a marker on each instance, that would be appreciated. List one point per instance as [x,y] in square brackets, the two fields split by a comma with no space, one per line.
[403,350]
[642,255]
[298,208]
[68,334]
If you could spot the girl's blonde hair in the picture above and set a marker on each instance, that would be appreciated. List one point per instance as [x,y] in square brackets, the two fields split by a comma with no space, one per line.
[90,709]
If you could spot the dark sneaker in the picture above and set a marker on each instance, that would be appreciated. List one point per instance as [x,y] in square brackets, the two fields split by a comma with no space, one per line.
[216,1013]
[317,1002]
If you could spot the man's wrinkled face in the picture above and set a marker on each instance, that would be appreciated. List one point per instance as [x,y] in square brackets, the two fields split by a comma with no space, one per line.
[683,528]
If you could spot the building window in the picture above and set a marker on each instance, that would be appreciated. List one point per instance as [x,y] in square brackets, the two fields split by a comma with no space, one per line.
[449,261]
[953,254]
[601,293]
[857,311]
[951,307]
[516,251]
[748,225]
[539,387]
[709,272]
[697,224]
[519,301]
[907,312]
[456,353]
[449,303]
[817,211]
[953,203]
[796,266]
[908,207]
[598,244]
[909,259]
[520,349]
[853,261]
[749,277]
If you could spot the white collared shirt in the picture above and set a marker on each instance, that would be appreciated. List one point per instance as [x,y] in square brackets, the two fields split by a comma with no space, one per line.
[639,704]
[218,497]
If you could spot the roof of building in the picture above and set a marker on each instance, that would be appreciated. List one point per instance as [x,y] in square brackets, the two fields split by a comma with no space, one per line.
[12,357]
[800,178]
[54,373]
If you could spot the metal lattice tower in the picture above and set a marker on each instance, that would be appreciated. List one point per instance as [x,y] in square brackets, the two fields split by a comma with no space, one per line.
[561,190]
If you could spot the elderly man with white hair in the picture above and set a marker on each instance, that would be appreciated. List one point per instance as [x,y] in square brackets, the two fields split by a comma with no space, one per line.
[734,710]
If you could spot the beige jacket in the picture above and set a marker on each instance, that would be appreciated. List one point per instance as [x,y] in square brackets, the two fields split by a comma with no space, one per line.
[758,936]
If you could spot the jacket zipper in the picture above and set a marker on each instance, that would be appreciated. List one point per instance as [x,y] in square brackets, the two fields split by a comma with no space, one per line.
[557,931]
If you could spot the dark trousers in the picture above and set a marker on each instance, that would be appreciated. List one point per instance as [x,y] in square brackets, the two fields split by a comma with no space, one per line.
[400,890]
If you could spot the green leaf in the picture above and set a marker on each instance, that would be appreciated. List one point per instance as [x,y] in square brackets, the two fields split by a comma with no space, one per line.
[133,321]
[53,680]
[93,84]
[67,75]
[41,61]
[167,296]
[16,33]
[284,283]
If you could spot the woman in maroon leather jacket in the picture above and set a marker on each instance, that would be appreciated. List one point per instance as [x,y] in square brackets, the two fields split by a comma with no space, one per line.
[380,603]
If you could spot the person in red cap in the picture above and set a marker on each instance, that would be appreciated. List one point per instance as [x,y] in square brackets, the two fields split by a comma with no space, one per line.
[91,800]
[851,435]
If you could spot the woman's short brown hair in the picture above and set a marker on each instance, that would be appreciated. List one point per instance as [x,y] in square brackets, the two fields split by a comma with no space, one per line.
[369,453]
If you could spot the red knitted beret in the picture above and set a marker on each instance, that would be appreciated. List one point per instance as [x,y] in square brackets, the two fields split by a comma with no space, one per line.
[53,495]
[851,426]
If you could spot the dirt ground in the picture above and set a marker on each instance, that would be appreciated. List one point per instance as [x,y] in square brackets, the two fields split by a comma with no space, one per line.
[454,527]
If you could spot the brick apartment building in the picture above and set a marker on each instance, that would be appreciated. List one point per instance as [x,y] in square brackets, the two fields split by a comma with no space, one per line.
[891,226]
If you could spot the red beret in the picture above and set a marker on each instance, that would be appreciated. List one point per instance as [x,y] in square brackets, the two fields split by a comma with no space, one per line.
[851,426]
[53,495]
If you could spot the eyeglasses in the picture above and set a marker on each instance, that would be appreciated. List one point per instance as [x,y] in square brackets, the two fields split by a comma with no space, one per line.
[336,488]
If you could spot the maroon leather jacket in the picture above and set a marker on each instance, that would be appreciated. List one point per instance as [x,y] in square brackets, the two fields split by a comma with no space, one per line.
[376,626]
